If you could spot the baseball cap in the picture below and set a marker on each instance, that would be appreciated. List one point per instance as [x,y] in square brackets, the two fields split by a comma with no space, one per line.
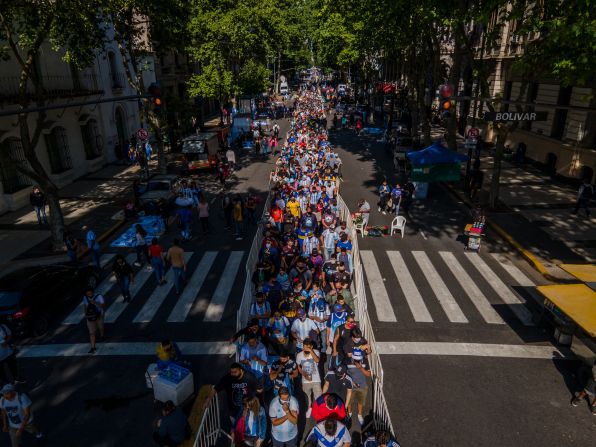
[7,388]
[300,312]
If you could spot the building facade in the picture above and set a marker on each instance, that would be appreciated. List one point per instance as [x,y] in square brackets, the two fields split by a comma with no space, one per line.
[77,140]
[566,142]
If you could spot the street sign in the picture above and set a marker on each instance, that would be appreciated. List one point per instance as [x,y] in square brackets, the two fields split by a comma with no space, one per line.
[515,116]
[473,132]
[142,134]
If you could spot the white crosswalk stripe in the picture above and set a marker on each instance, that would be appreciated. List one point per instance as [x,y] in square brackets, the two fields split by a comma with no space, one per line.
[189,294]
[76,316]
[508,297]
[118,305]
[484,307]
[448,303]
[408,286]
[513,271]
[219,299]
[157,298]
[378,292]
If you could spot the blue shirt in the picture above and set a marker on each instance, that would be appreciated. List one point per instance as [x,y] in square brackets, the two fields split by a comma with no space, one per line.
[285,431]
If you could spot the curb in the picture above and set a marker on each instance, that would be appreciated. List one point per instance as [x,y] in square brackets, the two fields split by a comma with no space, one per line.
[526,254]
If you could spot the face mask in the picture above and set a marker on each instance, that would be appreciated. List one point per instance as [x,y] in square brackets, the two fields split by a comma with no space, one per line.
[268,245]
[357,340]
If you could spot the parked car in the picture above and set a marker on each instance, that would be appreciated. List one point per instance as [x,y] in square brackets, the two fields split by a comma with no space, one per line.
[32,296]
[159,190]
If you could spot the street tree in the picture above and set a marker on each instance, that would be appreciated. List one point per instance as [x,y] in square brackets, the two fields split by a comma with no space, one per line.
[27,27]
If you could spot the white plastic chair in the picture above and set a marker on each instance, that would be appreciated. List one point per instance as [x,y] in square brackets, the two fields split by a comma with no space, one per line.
[399,223]
[359,227]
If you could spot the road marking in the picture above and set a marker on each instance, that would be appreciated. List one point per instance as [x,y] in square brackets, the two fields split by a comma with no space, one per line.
[423,235]
[502,289]
[123,349]
[158,296]
[189,294]
[474,350]
[118,306]
[450,306]
[104,259]
[224,287]
[489,314]
[408,286]
[378,292]
[76,316]
[513,271]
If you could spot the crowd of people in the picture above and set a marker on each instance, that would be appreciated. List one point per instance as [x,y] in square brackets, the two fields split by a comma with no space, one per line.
[302,354]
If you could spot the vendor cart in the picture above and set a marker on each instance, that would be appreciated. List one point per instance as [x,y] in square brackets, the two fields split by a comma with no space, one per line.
[474,234]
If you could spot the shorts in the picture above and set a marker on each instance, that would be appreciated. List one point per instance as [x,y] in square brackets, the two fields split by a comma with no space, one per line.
[96,325]
[359,395]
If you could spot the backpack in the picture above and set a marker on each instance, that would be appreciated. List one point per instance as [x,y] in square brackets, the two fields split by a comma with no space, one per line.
[92,312]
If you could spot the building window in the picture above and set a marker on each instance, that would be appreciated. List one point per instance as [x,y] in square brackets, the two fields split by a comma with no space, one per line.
[507,95]
[115,76]
[531,96]
[58,152]
[92,140]
[12,156]
[560,117]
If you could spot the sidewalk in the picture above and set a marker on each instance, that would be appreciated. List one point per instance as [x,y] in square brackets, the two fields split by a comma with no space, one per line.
[535,217]
[93,200]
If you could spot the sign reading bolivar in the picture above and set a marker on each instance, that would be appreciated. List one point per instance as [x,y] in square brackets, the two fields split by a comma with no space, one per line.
[515,116]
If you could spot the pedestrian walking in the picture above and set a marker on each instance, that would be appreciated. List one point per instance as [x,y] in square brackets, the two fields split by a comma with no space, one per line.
[238,217]
[72,247]
[308,367]
[251,428]
[175,257]
[9,372]
[37,199]
[359,371]
[93,246]
[93,311]
[381,438]
[338,382]
[17,416]
[584,195]
[141,246]
[589,391]
[303,328]
[328,406]
[172,428]
[124,276]
[283,412]
[329,433]
[157,261]
[184,216]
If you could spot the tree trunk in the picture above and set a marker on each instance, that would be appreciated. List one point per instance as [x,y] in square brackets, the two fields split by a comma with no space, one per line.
[454,75]
[56,219]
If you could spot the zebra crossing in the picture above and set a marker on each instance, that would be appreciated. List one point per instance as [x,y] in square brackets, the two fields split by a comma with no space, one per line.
[145,290]
[451,279]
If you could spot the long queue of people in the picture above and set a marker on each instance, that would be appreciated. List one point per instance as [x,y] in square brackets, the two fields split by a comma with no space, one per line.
[302,353]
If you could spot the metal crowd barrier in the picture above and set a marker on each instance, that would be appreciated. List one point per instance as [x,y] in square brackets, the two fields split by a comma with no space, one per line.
[210,428]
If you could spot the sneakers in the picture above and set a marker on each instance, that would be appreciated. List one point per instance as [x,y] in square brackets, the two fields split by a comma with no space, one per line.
[361,420]
[149,268]
[575,401]
[137,264]
[308,413]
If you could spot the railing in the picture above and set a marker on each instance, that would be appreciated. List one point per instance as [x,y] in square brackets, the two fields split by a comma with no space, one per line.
[210,427]
[54,86]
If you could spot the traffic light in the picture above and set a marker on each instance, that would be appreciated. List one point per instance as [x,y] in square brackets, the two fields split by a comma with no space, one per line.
[445,101]
[155,92]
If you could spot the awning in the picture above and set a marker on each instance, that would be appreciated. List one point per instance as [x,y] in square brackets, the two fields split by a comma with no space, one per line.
[577,301]
[583,272]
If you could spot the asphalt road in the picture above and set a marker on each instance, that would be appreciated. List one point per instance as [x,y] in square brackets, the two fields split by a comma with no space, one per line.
[463,362]
[102,400]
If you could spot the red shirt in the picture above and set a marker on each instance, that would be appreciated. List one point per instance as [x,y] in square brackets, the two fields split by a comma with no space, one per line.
[320,412]
[155,251]
[276,214]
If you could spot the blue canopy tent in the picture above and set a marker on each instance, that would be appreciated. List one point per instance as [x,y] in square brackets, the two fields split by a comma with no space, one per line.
[436,163]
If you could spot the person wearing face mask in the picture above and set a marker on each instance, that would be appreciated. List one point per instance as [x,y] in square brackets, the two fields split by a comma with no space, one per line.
[303,274]
[318,311]
[381,438]
[359,371]
[303,328]
[336,319]
[260,309]
[289,307]
[282,372]
[355,347]
[329,433]
[328,273]
[238,385]
[278,331]
[283,412]
[328,240]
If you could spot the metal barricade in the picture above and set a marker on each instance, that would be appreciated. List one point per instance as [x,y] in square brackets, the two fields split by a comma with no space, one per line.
[210,428]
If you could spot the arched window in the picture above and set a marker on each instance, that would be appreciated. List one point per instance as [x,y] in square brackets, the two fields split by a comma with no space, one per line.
[58,151]
[12,156]
[92,139]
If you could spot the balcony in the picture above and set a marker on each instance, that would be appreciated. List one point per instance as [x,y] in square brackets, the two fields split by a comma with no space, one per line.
[55,87]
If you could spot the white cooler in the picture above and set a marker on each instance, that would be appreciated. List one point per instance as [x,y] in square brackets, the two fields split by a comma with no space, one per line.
[151,374]
[164,390]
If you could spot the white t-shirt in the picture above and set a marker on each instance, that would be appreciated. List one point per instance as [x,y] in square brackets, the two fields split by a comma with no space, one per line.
[309,366]
[303,329]
[15,409]
[5,349]
[285,431]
